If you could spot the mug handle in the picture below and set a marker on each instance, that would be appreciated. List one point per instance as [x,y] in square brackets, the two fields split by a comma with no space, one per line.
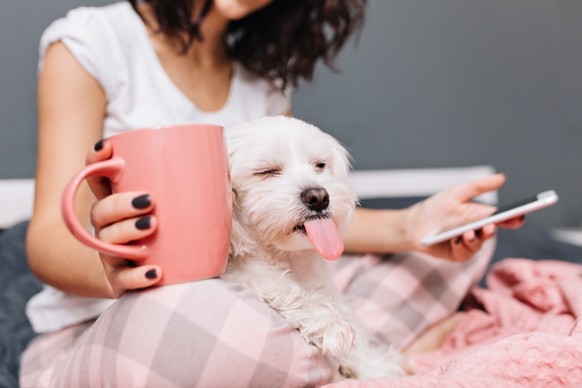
[110,168]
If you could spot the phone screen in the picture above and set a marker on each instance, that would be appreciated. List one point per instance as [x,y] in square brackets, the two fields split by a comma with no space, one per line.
[513,205]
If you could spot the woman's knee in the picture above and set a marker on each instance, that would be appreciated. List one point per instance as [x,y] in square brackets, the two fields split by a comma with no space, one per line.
[202,333]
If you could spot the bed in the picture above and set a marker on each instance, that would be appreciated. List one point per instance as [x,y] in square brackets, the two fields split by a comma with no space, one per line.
[376,189]
[17,284]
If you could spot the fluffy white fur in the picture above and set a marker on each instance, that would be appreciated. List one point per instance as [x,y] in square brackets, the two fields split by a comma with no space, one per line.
[273,160]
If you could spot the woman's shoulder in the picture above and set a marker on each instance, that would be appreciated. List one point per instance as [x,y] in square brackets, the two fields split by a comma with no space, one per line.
[100,24]
[89,17]
[98,37]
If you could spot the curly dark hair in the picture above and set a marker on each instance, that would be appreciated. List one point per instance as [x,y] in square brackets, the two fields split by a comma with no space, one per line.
[282,41]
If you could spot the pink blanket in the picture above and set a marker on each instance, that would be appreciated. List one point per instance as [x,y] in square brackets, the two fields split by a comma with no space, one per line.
[524,330]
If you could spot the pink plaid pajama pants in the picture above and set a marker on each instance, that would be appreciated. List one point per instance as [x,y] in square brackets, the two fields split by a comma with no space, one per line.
[211,334]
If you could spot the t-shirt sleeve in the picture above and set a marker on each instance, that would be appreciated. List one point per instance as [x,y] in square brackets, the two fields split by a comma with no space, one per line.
[84,32]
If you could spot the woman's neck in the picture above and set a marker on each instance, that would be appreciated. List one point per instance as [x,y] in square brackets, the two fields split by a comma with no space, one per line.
[206,53]
[204,72]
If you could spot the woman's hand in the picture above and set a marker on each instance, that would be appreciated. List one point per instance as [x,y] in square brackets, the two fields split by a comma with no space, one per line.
[450,208]
[119,219]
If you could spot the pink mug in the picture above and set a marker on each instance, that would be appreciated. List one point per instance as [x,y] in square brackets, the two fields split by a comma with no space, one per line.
[185,169]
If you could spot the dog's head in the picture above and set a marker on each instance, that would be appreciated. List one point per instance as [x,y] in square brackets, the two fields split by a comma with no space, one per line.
[286,173]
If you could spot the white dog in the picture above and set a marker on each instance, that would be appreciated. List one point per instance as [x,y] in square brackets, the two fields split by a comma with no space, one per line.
[292,184]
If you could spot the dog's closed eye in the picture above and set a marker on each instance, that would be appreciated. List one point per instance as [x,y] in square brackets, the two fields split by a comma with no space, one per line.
[269,171]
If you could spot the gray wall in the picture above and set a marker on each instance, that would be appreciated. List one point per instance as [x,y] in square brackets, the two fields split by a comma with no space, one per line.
[429,83]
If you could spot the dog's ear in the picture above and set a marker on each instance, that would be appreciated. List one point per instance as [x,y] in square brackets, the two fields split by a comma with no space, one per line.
[240,241]
[342,159]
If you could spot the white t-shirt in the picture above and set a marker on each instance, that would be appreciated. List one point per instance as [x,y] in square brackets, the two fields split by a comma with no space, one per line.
[112,44]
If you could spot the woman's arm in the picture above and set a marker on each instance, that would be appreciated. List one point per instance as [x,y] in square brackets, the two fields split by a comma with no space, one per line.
[377,231]
[389,231]
[385,231]
[71,108]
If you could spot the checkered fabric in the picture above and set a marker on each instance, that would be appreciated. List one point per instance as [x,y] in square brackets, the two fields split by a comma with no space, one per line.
[210,334]
[204,334]
[397,297]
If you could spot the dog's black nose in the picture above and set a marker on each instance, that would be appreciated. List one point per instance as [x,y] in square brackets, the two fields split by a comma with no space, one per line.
[316,199]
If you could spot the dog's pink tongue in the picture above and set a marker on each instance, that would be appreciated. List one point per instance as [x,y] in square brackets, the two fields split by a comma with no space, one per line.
[325,238]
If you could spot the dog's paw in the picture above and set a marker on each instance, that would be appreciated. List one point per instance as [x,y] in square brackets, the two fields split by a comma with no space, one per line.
[372,361]
[339,339]
[390,369]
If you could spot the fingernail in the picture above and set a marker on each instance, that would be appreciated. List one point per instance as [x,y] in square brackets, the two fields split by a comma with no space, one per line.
[99,145]
[151,274]
[143,223]
[141,202]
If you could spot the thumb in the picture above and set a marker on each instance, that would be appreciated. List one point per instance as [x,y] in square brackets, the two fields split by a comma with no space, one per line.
[477,211]
[468,191]
[483,210]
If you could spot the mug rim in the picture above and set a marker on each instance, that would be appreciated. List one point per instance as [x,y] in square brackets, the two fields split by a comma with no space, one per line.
[166,127]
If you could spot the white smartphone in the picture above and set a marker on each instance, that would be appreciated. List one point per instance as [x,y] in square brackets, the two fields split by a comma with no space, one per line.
[504,213]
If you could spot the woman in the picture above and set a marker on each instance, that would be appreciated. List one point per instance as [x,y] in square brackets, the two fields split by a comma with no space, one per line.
[160,62]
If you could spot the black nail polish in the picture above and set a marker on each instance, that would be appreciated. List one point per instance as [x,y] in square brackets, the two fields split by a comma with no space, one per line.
[143,223]
[151,274]
[99,145]
[141,202]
